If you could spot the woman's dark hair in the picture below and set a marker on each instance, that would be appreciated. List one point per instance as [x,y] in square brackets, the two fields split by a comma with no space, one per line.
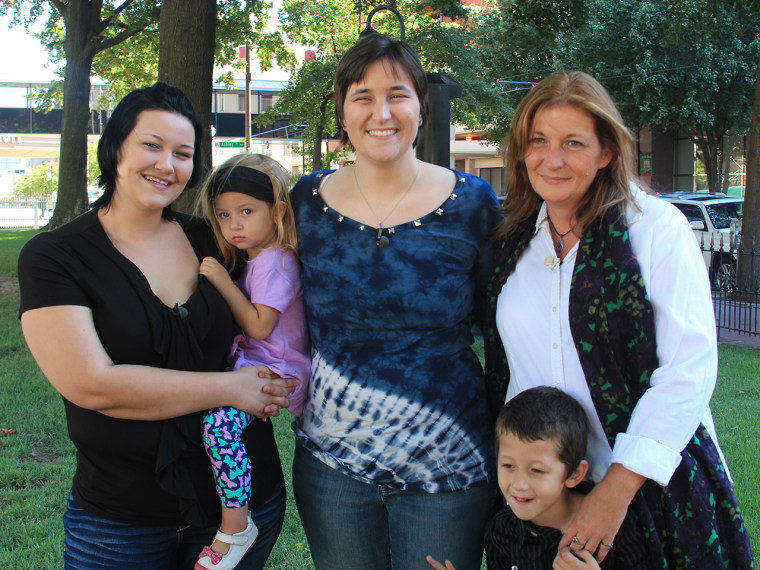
[547,414]
[158,97]
[399,56]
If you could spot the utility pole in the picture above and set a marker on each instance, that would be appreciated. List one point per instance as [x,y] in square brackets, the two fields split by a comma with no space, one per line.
[248,83]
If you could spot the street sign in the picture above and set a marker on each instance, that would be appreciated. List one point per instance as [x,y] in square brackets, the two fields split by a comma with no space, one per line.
[231,144]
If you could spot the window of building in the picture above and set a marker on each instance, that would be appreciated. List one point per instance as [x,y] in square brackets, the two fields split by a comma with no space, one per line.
[734,175]
[267,101]
[684,179]
[494,176]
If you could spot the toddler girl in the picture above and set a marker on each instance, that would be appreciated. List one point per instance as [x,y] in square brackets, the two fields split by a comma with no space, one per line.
[246,200]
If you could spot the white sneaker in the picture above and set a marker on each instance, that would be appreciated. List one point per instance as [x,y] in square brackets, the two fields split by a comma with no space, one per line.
[240,543]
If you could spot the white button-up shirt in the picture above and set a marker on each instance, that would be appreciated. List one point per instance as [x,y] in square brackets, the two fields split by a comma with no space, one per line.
[533,322]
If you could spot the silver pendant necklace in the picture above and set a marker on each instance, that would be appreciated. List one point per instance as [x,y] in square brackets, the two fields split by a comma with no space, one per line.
[559,244]
[382,241]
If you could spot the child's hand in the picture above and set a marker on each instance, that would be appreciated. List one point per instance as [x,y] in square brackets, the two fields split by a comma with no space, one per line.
[215,273]
[569,559]
[438,566]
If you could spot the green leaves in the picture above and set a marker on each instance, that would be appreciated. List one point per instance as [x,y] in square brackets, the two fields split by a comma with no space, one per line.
[440,31]
[677,65]
[42,180]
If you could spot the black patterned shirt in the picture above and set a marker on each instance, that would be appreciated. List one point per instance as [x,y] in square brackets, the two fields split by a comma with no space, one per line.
[514,544]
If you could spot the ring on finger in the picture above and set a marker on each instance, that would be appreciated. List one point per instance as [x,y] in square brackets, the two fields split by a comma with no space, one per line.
[576,541]
[605,545]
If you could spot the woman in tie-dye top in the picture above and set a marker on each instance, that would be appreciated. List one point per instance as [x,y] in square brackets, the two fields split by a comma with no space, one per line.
[394,454]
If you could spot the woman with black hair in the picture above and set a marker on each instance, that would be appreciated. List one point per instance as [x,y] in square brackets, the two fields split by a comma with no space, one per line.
[116,315]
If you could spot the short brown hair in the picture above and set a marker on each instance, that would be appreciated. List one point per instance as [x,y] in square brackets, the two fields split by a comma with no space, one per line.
[610,188]
[545,413]
[400,57]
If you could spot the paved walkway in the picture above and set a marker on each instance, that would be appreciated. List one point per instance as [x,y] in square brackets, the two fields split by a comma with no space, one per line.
[738,339]
[730,313]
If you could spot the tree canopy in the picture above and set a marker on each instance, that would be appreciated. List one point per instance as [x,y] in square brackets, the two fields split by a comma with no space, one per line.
[685,65]
[439,31]
[42,180]
[104,37]
[515,43]
[80,29]
[674,66]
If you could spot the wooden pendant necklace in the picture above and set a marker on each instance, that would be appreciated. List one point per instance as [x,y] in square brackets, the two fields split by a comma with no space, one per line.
[559,244]
[382,241]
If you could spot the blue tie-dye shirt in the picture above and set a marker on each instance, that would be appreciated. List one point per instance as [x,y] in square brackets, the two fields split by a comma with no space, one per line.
[397,397]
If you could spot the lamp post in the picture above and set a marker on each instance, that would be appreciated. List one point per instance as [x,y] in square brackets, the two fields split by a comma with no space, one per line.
[248,82]
[433,141]
[369,30]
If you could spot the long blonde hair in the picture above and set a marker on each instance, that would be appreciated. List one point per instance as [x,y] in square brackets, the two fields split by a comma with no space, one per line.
[611,186]
[285,225]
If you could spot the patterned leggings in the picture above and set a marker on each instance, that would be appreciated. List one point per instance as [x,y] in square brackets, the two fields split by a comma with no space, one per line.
[221,431]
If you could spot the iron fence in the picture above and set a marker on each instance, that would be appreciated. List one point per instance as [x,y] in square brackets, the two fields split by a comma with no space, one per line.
[33,212]
[735,283]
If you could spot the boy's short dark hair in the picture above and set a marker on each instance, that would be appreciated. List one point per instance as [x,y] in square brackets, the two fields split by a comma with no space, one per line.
[400,56]
[545,413]
[158,97]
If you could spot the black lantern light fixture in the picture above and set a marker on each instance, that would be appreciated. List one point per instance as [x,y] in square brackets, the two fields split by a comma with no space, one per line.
[433,144]
[369,30]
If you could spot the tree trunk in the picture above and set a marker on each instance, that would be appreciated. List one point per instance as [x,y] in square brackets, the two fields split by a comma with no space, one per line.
[316,157]
[186,60]
[81,19]
[724,166]
[747,278]
[708,148]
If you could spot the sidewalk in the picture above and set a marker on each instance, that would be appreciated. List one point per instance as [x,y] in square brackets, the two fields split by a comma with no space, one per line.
[730,338]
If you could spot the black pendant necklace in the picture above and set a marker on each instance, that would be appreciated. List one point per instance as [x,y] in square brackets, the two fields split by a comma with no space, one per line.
[381,241]
[559,244]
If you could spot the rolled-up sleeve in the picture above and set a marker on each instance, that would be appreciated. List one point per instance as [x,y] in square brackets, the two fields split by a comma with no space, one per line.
[666,417]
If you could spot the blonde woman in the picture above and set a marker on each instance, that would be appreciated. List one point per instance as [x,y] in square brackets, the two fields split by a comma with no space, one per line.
[601,291]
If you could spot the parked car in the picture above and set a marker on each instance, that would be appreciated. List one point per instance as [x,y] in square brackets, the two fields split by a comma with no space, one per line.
[716,221]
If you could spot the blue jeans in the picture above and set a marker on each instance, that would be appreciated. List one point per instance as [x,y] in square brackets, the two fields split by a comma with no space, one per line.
[92,542]
[355,525]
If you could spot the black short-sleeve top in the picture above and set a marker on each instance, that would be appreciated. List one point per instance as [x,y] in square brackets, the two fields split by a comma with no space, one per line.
[141,472]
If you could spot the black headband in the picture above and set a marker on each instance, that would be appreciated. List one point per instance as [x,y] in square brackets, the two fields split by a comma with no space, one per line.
[244,180]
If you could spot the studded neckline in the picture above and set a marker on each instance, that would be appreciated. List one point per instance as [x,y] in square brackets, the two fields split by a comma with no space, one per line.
[373,231]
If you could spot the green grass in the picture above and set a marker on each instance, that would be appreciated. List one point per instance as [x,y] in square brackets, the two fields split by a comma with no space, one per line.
[10,244]
[37,460]
[291,551]
[736,410]
[36,457]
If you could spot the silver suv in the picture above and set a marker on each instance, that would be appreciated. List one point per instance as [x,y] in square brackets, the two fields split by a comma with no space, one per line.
[716,220]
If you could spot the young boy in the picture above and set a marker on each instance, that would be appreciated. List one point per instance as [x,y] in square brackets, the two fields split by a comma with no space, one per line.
[541,439]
